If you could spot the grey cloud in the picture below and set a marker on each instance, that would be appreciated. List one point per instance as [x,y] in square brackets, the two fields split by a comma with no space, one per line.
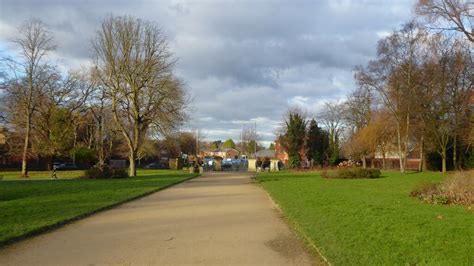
[241,60]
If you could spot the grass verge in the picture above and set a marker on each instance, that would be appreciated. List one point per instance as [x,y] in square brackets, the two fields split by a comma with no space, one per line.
[373,221]
[29,207]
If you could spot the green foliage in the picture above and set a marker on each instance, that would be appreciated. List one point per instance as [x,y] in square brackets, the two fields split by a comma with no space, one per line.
[55,133]
[295,134]
[36,204]
[252,146]
[333,153]
[105,172]
[352,173]
[317,143]
[373,221]
[214,145]
[272,146]
[229,144]
[84,155]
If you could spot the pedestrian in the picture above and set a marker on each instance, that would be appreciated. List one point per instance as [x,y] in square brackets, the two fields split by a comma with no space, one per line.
[53,174]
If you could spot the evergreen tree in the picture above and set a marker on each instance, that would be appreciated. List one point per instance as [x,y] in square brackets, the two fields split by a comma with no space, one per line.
[317,143]
[295,131]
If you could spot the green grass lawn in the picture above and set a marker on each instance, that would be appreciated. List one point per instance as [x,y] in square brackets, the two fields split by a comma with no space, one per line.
[16,175]
[30,206]
[373,221]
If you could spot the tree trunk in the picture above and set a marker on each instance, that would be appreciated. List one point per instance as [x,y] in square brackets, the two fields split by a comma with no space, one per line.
[405,148]
[422,144]
[24,170]
[400,155]
[443,158]
[101,142]
[132,170]
[455,162]
[364,163]
[74,145]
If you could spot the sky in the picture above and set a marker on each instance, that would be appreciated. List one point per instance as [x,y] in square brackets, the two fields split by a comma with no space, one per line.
[242,61]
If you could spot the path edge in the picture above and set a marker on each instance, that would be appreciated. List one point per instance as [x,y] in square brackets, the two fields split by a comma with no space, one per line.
[294,226]
[52,227]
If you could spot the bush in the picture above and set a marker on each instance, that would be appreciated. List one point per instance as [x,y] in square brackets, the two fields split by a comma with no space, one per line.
[352,173]
[105,172]
[457,189]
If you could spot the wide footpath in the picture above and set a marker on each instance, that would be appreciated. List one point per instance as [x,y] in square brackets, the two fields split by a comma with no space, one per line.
[216,219]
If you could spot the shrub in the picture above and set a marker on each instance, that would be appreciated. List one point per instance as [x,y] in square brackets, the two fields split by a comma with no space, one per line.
[456,189]
[352,173]
[105,172]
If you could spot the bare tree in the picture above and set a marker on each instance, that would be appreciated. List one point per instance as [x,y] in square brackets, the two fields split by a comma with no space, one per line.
[457,15]
[332,118]
[451,65]
[358,109]
[395,76]
[357,114]
[30,75]
[135,66]
[249,140]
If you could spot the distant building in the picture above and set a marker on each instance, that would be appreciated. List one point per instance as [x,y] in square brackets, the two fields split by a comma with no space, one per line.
[280,152]
[392,159]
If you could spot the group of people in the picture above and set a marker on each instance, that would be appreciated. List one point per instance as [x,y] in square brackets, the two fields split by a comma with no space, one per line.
[265,164]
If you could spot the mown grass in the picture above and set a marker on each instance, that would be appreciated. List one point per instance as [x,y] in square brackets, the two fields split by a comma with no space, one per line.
[33,175]
[373,221]
[31,206]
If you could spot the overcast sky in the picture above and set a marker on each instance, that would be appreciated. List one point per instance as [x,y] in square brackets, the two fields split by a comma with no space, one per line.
[241,60]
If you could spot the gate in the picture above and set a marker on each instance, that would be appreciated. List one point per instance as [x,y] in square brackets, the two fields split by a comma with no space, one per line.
[228,165]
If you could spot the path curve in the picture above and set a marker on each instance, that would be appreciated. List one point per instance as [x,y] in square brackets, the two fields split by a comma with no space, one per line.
[216,219]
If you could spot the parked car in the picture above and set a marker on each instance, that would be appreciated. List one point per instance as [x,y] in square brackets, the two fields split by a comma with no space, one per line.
[67,166]
[156,166]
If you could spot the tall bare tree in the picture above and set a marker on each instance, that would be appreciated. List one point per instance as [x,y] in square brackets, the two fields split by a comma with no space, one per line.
[135,66]
[457,15]
[395,76]
[452,79]
[30,75]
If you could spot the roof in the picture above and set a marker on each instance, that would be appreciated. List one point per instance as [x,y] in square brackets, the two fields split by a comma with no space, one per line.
[223,150]
[266,153]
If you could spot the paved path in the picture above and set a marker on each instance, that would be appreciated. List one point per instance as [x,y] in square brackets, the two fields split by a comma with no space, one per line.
[219,219]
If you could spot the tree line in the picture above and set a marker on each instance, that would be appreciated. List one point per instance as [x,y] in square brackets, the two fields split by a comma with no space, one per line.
[129,94]
[416,94]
